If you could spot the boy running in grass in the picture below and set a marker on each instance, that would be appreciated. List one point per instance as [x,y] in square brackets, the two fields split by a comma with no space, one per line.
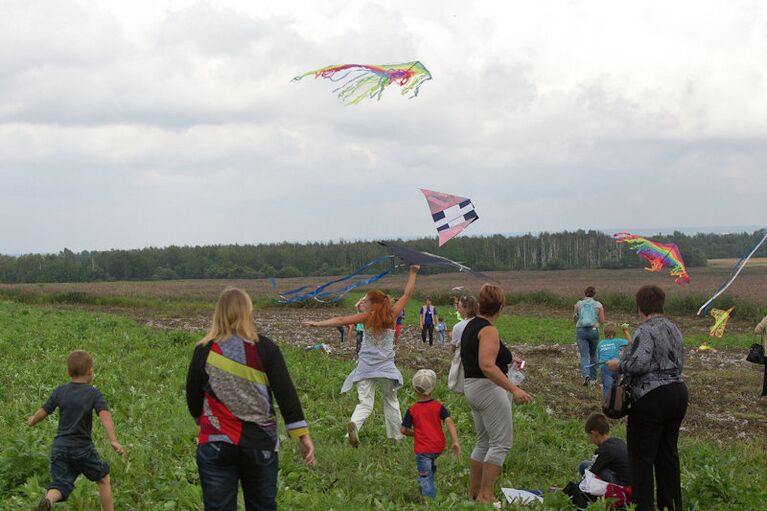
[609,349]
[73,452]
[423,421]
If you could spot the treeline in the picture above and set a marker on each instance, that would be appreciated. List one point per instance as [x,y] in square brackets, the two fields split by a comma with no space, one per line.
[546,251]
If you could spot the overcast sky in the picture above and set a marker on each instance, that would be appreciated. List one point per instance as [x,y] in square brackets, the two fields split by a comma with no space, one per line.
[153,122]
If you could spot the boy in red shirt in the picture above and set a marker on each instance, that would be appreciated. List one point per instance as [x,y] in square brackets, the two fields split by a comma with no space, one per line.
[423,421]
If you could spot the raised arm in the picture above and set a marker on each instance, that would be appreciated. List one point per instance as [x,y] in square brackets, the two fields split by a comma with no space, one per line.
[408,292]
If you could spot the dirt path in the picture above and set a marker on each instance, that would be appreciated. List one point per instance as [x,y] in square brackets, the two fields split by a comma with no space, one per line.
[724,388]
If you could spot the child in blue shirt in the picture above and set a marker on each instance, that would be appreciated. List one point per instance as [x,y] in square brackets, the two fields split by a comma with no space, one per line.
[609,349]
[441,327]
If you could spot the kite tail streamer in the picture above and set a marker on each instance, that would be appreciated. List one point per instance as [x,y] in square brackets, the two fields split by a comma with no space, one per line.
[733,275]
[294,296]
[343,291]
[364,81]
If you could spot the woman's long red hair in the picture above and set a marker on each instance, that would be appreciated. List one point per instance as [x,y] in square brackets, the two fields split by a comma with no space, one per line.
[380,314]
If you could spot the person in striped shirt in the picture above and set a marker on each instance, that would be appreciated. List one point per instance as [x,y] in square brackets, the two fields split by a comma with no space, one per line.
[234,375]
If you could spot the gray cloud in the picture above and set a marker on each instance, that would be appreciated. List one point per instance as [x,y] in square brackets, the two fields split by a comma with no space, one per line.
[183,127]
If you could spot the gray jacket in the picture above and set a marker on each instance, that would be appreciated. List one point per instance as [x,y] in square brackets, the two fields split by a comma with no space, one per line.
[655,356]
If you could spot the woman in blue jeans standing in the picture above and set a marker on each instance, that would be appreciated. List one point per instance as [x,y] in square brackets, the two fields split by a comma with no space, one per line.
[589,314]
[230,383]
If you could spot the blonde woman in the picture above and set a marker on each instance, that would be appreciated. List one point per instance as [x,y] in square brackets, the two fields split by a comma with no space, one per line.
[230,383]
[375,364]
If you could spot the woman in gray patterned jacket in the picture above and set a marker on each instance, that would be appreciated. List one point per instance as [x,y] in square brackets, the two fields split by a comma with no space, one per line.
[654,364]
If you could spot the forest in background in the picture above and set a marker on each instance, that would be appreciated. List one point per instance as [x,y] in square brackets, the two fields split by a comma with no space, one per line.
[546,251]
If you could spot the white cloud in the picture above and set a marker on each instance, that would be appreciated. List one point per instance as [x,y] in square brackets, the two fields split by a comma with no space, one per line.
[125,124]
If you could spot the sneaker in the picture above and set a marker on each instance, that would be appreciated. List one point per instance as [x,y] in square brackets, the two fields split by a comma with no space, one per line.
[43,505]
[351,429]
[586,381]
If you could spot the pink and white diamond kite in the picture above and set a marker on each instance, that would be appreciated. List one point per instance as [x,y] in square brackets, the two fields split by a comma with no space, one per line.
[451,214]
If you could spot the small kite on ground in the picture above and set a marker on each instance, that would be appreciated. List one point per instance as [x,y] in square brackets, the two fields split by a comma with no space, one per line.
[330,292]
[733,274]
[361,81]
[659,255]
[721,317]
[451,214]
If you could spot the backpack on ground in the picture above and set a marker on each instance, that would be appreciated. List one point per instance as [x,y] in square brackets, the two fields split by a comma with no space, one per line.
[587,314]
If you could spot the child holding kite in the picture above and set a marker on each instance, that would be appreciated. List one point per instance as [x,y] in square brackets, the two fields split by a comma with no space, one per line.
[375,364]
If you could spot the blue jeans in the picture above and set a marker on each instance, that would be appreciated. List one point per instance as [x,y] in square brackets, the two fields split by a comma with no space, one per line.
[605,474]
[588,340]
[608,379]
[427,466]
[223,465]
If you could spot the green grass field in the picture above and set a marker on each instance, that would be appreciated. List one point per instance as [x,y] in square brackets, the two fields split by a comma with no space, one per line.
[141,372]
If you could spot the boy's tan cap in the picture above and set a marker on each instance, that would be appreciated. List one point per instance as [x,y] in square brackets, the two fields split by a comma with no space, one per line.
[424,381]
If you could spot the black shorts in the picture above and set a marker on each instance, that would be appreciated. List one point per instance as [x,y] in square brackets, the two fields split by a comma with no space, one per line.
[67,463]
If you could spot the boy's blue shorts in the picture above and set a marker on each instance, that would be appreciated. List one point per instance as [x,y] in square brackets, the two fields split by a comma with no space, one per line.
[69,462]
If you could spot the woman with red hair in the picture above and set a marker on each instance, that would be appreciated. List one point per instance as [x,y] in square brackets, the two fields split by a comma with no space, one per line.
[375,363]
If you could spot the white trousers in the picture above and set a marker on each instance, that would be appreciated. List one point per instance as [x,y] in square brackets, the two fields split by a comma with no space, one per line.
[392,416]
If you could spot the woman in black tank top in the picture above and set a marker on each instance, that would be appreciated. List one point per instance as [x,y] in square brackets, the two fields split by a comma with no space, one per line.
[485,363]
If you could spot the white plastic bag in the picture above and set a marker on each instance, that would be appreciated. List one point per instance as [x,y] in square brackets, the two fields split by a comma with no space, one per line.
[455,376]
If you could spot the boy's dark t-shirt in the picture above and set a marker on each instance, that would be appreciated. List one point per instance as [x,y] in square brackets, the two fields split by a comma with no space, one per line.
[613,455]
[76,402]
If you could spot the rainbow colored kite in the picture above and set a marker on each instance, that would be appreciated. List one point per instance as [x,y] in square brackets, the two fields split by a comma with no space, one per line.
[660,255]
[360,81]
[720,321]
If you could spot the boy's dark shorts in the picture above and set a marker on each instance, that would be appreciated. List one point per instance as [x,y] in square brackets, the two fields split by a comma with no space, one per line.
[69,462]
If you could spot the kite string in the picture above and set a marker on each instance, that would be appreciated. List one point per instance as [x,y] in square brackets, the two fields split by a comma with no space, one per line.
[736,270]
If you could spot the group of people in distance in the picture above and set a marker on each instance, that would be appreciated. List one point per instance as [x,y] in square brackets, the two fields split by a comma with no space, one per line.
[235,374]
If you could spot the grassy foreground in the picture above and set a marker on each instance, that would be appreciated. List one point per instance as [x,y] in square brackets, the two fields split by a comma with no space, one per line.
[141,373]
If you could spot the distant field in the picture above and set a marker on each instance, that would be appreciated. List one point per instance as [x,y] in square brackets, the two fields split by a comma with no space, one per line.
[751,284]
[729,263]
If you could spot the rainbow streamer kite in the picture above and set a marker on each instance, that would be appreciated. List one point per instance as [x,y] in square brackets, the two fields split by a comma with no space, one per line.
[361,81]
[659,255]
[720,321]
